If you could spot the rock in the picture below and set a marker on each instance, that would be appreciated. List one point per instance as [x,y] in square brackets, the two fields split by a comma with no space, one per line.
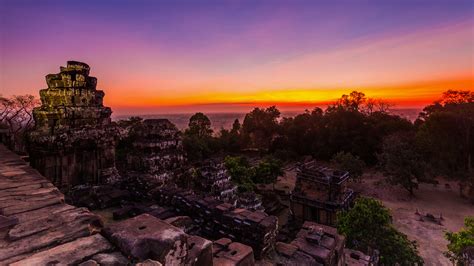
[70,253]
[89,263]
[182,222]
[5,224]
[200,251]
[231,253]
[146,237]
[149,263]
[110,259]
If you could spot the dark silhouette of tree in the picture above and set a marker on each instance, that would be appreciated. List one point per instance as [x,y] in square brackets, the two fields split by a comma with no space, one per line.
[260,126]
[401,162]
[198,141]
[352,102]
[445,135]
[236,126]
[199,125]
[348,162]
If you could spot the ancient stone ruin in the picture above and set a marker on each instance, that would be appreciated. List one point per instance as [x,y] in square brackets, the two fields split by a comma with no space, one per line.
[315,244]
[73,142]
[217,219]
[319,193]
[38,228]
[214,180]
[156,149]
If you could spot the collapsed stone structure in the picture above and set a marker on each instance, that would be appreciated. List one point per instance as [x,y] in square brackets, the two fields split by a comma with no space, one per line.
[152,156]
[217,219]
[319,193]
[73,141]
[214,180]
[146,237]
[226,252]
[250,201]
[156,149]
[38,228]
[315,244]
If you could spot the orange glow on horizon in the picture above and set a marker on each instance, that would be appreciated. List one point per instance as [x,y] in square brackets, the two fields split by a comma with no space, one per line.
[416,94]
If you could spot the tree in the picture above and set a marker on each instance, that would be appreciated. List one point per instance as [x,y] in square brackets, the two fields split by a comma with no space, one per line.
[346,130]
[401,162]
[240,172]
[445,134]
[229,140]
[198,141]
[236,126]
[16,116]
[199,125]
[460,241]
[268,170]
[348,162]
[367,226]
[353,101]
[260,126]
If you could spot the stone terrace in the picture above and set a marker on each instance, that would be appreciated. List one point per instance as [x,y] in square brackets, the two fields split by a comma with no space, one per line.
[36,226]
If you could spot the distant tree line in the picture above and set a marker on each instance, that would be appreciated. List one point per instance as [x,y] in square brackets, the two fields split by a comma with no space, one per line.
[353,132]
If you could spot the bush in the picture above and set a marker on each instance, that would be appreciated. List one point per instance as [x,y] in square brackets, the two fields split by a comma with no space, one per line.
[367,226]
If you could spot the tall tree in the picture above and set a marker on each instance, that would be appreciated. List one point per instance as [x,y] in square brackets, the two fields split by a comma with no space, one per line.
[260,126]
[401,161]
[198,141]
[446,133]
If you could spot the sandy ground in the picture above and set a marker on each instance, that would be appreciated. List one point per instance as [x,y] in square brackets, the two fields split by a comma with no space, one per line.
[436,200]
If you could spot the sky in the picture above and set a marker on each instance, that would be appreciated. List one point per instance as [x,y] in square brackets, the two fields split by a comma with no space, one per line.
[228,56]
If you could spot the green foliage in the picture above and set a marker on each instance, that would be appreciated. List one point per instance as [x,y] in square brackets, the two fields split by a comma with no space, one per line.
[401,162]
[240,172]
[348,162]
[267,171]
[460,240]
[367,226]
[246,177]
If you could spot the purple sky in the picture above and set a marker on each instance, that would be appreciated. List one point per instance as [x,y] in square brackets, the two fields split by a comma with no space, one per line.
[199,48]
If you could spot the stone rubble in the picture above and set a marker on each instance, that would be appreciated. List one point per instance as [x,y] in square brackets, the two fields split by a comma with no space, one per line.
[217,219]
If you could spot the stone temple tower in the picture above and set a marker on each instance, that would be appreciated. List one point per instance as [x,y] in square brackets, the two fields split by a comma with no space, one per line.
[73,142]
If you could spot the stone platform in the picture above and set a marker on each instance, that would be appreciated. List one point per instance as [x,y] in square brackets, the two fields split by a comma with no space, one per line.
[36,226]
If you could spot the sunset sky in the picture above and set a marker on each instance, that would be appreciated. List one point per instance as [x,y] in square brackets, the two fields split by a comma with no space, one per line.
[225,56]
